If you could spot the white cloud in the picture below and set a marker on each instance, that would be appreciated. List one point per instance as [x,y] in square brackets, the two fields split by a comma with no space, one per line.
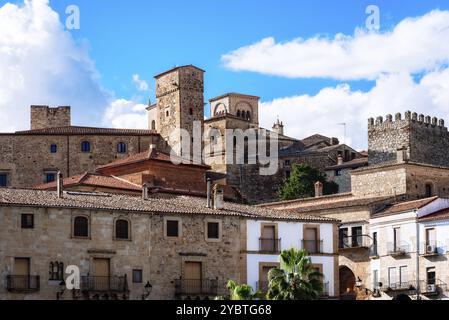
[122,113]
[415,45]
[305,115]
[40,63]
[141,85]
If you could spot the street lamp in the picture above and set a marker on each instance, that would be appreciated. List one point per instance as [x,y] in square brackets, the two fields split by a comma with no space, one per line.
[147,290]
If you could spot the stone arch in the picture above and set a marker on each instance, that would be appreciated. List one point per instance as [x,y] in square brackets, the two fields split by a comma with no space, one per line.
[429,189]
[220,109]
[245,108]
[347,282]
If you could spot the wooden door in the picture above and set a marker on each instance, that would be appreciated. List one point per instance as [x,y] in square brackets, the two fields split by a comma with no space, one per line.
[311,237]
[101,274]
[263,278]
[268,239]
[193,277]
[21,276]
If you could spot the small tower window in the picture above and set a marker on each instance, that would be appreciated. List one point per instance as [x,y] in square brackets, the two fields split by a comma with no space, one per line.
[53,148]
[121,147]
[191,111]
[238,113]
[167,113]
[85,146]
[153,125]
[81,227]
[429,190]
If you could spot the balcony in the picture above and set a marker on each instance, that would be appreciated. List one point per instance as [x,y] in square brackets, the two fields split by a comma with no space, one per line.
[430,249]
[398,249]
[313,246]
[355,242]
[196,287]
[399,286]
[432,289]
[118,284]
[269,245]
[22,284]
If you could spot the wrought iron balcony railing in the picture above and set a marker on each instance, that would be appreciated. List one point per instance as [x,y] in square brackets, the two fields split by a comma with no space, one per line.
[355,241]
[268,245]
[313,246]
[399,286]
[104,284]
[22,283]
[196,287]
[398,249]
[430,249]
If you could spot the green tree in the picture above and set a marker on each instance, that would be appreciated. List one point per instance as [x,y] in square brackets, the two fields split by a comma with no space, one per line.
[240,292]
[296,278]
[301,183]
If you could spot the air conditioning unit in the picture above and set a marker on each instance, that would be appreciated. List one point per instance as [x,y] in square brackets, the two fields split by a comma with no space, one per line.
[431,288]
[431,249]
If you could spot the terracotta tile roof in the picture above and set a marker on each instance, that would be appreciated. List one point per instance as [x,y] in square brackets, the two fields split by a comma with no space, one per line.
[314,139]
[355,163]
[439,215]
[140,157]
[404,207]
[90,179]
[172,205]
[76,130]
[342,200]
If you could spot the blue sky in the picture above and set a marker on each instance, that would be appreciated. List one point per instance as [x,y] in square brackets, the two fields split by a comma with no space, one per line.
[124,38]
[147,37]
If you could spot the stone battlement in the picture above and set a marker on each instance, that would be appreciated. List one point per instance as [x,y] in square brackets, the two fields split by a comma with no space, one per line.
[409,117]
[425,138]
[43,117]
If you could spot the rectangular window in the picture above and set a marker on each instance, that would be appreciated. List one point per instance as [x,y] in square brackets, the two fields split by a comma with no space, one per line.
[431,276]
[356,237]
[137,276]
[343,237]
[376,279]
[403,276]
[172,228]
[213,230]
[392,277]
[3,180]
[338,172]
[430,238]
[396,239]
[50,177]
[27,221]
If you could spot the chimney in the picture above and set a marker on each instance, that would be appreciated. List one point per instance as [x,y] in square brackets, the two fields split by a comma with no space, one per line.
[318,189]
[59,185]
[401,155]
[145,191]
[218,197]
[209,191]
[339,160]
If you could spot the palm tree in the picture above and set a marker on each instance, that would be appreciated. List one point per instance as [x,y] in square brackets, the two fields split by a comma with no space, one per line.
[296,278]
[239,292]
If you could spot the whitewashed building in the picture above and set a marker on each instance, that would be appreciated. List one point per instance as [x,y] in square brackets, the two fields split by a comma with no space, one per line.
[412,248]
[265,239]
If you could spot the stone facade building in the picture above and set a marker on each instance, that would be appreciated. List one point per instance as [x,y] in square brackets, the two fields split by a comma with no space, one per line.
[401,167]
[176,244]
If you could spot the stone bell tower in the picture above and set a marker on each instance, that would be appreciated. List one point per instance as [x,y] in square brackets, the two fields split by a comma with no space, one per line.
[180,102]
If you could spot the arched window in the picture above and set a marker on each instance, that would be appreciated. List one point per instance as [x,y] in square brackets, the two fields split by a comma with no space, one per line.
[248,115]
[153,125]
[56,271]
[121,147]
[85,146]
[121,229]
[81,227]
[238,113]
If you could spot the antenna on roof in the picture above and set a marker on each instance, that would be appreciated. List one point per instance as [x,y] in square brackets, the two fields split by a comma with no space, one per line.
[344,129]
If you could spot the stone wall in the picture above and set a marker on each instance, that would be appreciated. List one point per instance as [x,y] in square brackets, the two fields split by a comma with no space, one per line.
[160,259]
[28,157]
[43,117]
[426,139]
